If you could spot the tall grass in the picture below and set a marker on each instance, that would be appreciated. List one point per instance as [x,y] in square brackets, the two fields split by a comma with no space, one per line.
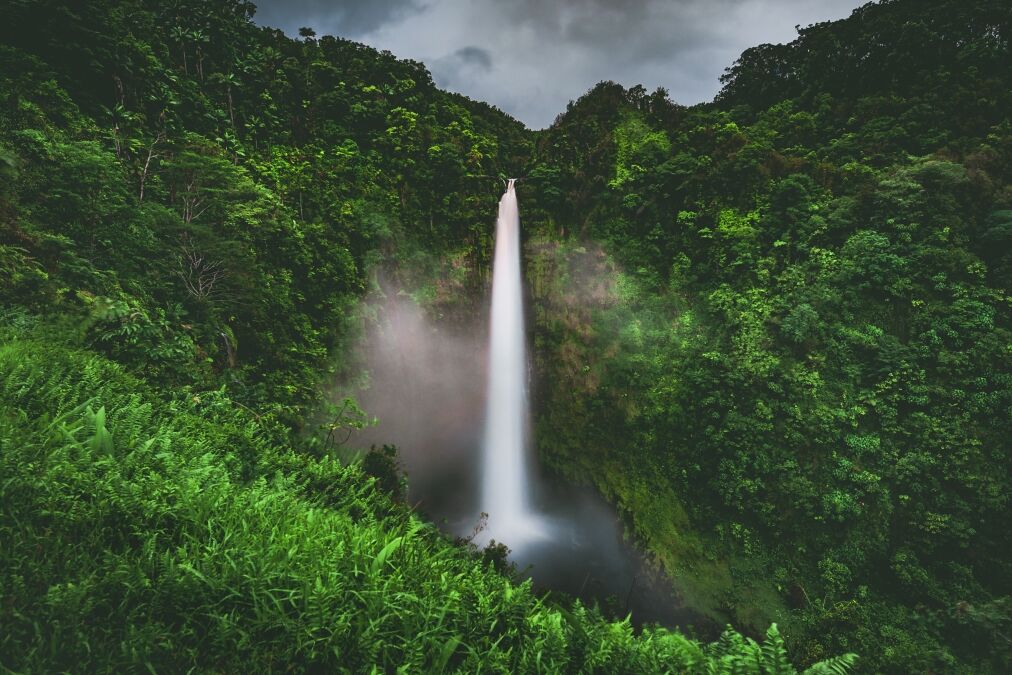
[140,534]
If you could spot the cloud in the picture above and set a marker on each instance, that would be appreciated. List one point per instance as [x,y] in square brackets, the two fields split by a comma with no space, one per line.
[531,57]
[475,56]
[340,17]
[456,70]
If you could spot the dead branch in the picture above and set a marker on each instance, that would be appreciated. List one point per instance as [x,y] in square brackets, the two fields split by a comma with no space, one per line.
[200,274]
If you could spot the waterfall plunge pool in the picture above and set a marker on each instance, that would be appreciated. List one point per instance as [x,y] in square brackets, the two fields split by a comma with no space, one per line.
[453,398]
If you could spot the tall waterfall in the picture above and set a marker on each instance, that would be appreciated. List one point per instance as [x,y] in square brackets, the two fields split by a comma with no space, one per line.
[506,480]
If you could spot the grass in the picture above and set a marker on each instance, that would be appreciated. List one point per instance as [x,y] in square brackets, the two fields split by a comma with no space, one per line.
[146,534]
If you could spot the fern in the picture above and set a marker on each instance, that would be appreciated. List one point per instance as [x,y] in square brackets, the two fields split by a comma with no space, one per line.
[838,665]
[133,537]
[774,654]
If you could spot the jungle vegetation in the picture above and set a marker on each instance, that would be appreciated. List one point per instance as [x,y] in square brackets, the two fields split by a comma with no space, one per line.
[773,330]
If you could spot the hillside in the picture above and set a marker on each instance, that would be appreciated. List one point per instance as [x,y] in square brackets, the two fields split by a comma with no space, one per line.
[786,315]
[190,209]
[773,330]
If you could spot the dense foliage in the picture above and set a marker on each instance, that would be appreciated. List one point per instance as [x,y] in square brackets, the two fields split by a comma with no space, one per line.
[791,355]
[774,330]
[141,534]
[185,180]
[190,209]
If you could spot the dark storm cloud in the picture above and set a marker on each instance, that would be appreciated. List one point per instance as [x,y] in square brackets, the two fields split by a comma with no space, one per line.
[455,70]
[475,56]
[531,57]
[343,17]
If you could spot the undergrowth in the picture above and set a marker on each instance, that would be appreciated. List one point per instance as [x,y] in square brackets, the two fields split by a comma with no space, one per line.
[168,535]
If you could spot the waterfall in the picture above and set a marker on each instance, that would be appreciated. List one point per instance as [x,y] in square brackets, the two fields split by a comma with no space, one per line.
[505,494]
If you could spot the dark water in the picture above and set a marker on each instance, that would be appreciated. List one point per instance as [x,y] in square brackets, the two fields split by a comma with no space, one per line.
[587,557]
[426,385]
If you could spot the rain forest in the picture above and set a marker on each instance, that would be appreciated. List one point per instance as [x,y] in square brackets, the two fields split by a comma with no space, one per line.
[308,365]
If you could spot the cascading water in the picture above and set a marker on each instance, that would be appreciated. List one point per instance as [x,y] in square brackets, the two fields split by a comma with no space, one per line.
[505,477]
[424,386]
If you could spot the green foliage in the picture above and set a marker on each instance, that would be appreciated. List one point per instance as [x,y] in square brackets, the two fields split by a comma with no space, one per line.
[798,391]
[199,200]
[381,464]
[773,329]
[138,535]
[217,176]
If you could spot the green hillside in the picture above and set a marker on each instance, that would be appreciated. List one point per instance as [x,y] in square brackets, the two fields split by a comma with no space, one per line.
[773,330]
[787,316]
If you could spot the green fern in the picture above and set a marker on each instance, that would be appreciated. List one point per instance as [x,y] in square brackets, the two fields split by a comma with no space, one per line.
[774,654]
[838,665]
[133,537]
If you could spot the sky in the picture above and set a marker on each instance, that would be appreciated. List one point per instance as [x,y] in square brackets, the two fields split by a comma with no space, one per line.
[531,57]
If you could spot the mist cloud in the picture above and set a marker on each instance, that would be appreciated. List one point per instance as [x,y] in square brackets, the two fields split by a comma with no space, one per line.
[531,57]
[425,385]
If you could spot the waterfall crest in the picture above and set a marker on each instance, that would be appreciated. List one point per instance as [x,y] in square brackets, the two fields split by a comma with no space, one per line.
[506,479]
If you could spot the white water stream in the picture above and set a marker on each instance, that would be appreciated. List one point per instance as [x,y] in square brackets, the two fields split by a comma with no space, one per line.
[506,480]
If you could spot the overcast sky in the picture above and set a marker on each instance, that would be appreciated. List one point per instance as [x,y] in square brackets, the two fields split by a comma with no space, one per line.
[531,57]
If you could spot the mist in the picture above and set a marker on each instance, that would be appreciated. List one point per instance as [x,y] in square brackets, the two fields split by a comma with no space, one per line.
[424,381]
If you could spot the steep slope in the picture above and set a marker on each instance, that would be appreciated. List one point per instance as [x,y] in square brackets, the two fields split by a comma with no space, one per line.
[145,535]
[187,178]
[189,210]
[790,355]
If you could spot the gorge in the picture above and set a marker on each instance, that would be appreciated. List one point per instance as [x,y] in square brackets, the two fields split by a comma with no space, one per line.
[765,393]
